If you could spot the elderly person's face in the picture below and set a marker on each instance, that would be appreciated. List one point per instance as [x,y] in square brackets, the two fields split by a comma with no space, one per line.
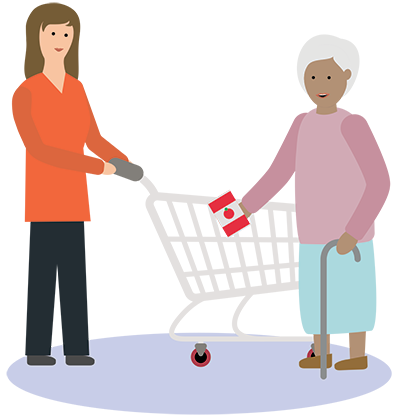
[325,82]
[55,41]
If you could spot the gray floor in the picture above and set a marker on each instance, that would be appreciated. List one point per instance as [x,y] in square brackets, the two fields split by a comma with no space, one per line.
[141,370]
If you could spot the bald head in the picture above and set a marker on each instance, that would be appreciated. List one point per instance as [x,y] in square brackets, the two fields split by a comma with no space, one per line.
[325,82]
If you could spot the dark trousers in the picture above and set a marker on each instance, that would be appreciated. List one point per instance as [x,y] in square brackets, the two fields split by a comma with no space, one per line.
[57,246]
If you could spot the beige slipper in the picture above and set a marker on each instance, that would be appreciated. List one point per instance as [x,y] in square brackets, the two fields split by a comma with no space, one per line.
[360,363]
[315,362]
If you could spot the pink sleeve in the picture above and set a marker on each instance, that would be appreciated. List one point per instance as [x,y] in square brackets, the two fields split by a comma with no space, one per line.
[264,134]
[369,158]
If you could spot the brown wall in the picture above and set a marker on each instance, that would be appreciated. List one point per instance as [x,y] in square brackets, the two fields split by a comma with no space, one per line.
[113,40]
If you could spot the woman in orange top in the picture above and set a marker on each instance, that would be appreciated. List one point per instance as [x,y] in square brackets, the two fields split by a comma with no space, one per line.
[55,121]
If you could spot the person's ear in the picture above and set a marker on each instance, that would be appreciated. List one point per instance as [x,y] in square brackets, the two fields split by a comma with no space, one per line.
[347,74]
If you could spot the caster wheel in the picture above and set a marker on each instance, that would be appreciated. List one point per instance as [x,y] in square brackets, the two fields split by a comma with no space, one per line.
[200,361]
[310,354]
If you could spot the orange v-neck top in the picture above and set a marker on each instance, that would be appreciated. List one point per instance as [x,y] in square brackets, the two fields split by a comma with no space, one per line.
[39,192]
[90,117]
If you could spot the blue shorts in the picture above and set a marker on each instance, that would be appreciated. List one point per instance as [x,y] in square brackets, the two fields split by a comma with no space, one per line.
[351,289]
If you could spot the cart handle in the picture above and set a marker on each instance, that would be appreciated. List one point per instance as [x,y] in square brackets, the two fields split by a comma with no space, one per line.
[324,258]
[151,189]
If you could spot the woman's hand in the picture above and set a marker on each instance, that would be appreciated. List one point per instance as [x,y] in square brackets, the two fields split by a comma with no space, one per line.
[246,213]
[107,179]
[346,244]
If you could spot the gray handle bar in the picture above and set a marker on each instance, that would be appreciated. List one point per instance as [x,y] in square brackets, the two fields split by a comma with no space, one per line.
[127,170]
[324,326]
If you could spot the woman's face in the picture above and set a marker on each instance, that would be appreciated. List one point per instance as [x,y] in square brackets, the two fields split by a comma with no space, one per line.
[55,41]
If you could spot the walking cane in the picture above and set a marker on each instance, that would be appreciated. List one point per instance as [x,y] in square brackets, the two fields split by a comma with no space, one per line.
[324,258]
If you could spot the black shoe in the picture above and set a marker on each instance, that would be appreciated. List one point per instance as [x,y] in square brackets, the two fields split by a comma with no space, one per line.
[40,360]
[79,360]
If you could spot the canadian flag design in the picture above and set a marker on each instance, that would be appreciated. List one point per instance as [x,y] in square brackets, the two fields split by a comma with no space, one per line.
[228,213]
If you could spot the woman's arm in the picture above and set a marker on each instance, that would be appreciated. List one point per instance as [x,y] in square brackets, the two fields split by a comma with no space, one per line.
[22,133]
[64,159]
[368,132]
[264,136]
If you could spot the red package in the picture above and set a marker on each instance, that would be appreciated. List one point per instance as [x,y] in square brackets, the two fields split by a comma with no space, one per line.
[229,214]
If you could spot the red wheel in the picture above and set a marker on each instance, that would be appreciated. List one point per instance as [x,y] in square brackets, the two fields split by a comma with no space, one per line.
[310,353]
[200,361]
